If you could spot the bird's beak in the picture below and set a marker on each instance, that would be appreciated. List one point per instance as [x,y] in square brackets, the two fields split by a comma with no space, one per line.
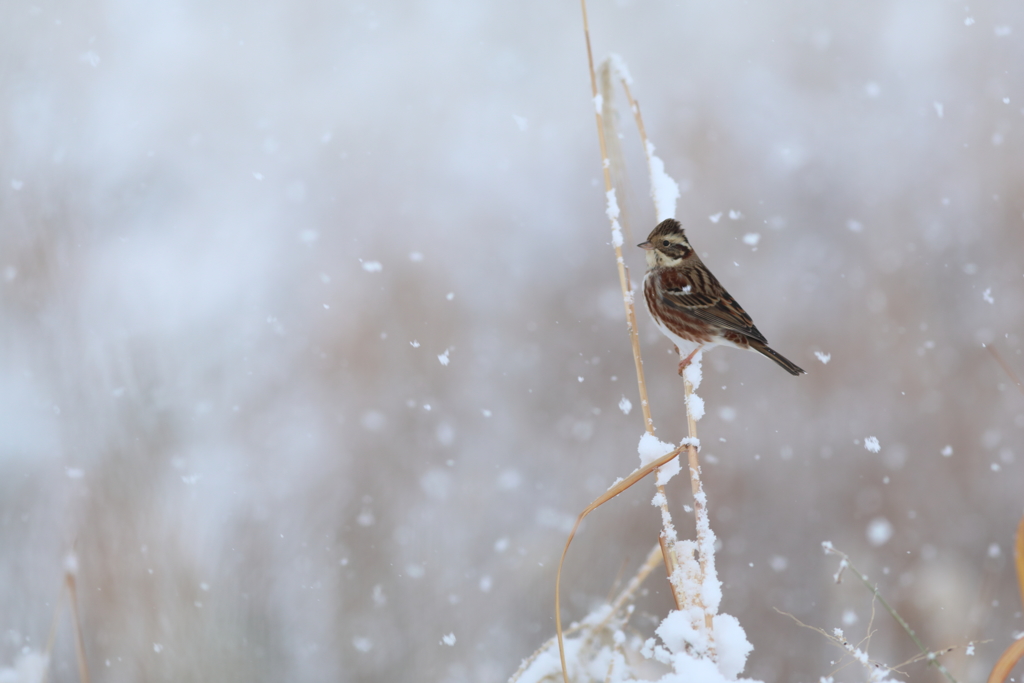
[646,246]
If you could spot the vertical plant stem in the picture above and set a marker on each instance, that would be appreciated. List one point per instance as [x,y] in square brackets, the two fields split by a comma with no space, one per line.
[634,106]
[667,533]
[52,638]
[699,507]
[700,512]
[83,669]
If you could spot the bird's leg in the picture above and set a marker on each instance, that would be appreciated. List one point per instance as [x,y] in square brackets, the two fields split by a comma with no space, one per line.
[686,361]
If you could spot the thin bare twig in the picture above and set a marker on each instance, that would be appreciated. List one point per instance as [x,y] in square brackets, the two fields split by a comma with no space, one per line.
[929,655]
[1005,366]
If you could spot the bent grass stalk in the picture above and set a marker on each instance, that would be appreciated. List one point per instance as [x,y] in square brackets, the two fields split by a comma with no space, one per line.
[615,490]
[618,605]
[1013,654]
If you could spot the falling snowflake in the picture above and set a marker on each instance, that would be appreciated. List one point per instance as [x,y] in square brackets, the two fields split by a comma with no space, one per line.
[625,405]
[879,531]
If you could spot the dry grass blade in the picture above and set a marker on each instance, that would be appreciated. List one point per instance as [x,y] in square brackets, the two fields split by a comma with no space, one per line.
[618,604]
[1014,653]
[615,490]
[1006,368]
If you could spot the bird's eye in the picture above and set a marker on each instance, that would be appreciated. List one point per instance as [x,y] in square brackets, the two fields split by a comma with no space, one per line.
[664,243]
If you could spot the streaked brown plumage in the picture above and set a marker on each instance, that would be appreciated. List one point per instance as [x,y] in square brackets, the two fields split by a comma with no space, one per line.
[690,306]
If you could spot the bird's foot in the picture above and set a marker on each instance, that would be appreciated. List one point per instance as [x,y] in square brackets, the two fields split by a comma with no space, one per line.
[686,361]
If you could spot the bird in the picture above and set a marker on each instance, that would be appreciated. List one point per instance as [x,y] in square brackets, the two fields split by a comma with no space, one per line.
[690,306]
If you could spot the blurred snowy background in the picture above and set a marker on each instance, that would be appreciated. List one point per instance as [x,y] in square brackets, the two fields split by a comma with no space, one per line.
[235,239]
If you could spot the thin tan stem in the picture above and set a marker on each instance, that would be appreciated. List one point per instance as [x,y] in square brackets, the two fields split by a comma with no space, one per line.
[624,283]
[653,558]
[83,669]
[667,553]
[1005,366]
[668,533]
[699,509]
[634,106]
[52,638]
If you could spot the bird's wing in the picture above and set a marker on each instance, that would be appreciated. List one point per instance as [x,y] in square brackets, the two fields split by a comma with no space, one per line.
[698,293]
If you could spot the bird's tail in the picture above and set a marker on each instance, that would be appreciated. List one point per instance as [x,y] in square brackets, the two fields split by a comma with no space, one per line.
[791,367]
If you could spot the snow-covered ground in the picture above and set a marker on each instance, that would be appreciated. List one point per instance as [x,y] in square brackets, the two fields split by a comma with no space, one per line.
[312,346]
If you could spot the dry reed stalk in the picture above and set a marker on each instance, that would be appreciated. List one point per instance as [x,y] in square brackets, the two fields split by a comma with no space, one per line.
[83,669]
[605,130]
[69,583]
[52,638]
[627,292]
[699,507]
[691,424]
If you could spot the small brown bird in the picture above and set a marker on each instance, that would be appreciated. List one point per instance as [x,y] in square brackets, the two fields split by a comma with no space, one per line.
[690,306]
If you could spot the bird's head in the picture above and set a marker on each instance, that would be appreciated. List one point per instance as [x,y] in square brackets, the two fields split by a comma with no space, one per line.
[667,245]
